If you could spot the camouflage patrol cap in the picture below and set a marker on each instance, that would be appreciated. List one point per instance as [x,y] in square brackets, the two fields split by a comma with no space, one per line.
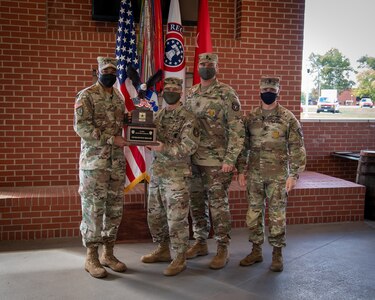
[208,57]
[173,81]
[106,62]
[270,82]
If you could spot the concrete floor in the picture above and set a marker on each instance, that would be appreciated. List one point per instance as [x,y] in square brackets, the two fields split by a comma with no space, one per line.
[321,261]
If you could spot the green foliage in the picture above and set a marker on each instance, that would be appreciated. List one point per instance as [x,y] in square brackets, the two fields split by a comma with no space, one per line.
[314,95]
[367,62]
[366,79]
[332,70]
[366,84]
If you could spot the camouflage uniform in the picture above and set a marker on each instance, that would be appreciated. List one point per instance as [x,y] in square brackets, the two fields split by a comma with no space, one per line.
[168,201]
[275,150]
[222,133]
[98,118]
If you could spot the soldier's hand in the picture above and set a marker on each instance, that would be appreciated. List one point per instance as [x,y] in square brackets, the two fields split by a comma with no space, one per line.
[290,184]
[241,179]
[227,168]
[128,118]
[119,141]
[157,148]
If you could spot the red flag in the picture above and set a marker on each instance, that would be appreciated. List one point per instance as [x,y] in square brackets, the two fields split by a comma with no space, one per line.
[203,43]
[126,53]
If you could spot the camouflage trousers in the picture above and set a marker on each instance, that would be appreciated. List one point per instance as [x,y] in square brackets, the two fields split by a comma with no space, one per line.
[209,193]
[102,200]
[168,210]
[258,191]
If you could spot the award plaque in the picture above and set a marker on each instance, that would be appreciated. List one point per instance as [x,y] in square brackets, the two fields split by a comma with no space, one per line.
[140,130]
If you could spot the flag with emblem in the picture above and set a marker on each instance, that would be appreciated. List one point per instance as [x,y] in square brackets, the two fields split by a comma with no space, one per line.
[126,53]
[203,37]
[174,52]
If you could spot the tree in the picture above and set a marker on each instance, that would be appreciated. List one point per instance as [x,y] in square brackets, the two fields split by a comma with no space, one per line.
[366,79]
[366,84]
[367,62]
[332,70]
[314,94]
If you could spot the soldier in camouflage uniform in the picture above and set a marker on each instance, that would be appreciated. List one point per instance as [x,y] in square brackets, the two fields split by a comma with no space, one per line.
[168,201]
[217,108]
[98,120]
[274,154]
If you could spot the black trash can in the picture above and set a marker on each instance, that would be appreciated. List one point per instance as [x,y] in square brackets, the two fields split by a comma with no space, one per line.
[366,177]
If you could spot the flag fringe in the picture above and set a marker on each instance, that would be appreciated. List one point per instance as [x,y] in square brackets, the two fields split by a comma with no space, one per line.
[143,176]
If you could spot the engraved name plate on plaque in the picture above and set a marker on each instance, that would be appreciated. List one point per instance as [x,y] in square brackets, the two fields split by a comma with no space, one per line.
[141,130]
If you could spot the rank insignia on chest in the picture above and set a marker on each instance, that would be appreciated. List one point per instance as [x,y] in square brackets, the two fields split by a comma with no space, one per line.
[211,112]
[196,132]
[275,134]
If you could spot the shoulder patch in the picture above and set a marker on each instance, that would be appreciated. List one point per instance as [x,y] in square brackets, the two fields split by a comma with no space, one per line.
[79,110]
[235,106]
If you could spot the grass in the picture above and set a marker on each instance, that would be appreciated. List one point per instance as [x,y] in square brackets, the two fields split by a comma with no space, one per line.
[346,112]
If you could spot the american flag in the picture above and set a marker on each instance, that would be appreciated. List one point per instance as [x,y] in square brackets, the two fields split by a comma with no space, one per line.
[126,54]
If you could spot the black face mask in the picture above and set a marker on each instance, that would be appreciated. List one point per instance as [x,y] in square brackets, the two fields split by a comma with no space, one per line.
[171,97]
[108,80]
[268,97]
[207,73]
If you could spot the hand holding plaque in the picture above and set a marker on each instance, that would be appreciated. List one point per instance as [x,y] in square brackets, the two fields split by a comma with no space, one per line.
[141,130]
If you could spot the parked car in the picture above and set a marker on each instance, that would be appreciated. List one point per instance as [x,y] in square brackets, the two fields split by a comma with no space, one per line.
[313,102]
[366,102]
[328,104]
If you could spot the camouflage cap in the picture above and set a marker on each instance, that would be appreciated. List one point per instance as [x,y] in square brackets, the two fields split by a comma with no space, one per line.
[270,82]
[173,81]
[105,62]
[208,57]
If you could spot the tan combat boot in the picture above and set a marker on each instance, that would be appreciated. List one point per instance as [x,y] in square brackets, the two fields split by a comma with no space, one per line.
[92,264]
[199,248]
[109,260]
[176,266]
[277,260]
[160,254]
[254,257]
[221,258]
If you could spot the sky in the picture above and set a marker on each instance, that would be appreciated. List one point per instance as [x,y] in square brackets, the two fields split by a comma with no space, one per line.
[347,25]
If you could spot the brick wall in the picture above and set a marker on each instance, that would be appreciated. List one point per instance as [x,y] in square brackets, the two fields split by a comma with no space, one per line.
[49,48]
[324,137]
[28,213]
